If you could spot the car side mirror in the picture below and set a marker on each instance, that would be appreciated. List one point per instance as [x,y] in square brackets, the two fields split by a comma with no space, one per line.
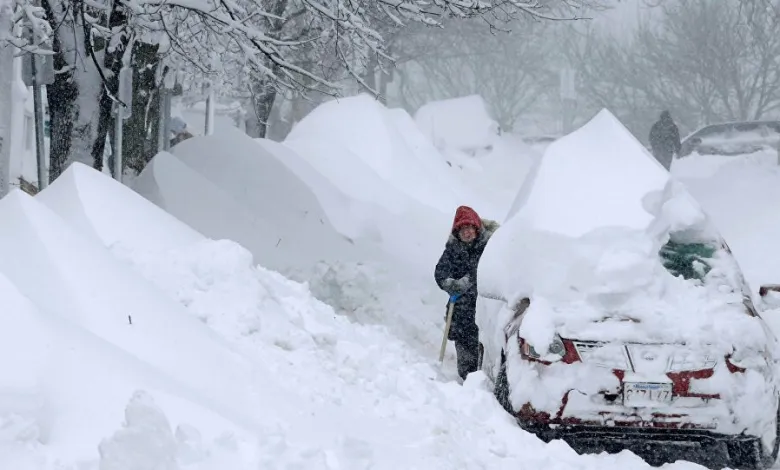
[770,295]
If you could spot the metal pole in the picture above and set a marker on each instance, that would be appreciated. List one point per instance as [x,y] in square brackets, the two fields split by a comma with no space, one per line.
[210,111]
[161,136]
[118,124]
[6,109]
[167,121]
[43,180]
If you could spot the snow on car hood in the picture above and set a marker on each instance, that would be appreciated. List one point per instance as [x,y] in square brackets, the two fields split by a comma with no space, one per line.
[608,247]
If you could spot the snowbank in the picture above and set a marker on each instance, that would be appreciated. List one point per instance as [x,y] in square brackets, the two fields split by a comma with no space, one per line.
[228,186]
[356,143]
[79,196]
[355,218]
[458,123]
[595,177]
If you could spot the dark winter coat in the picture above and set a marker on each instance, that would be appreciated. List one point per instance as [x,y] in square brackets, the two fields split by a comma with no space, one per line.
[460,259]
[665,139]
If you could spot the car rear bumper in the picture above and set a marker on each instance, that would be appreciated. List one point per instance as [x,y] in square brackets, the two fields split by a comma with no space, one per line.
[629,436]
[621,428]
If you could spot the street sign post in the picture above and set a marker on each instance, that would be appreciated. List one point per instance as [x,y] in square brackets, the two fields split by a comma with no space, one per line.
[123,108]
[39,71]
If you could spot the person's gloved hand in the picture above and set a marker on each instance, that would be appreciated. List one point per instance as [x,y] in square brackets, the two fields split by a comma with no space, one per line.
[459,286]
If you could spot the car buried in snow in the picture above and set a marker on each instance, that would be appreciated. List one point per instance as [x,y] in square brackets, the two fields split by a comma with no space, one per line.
[732,138]
[618,318]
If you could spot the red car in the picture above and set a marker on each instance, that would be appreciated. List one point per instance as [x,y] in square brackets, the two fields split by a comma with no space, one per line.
[635,394]
[628,323]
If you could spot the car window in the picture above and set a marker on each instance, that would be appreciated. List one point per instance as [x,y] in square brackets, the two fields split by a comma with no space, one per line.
[689,260]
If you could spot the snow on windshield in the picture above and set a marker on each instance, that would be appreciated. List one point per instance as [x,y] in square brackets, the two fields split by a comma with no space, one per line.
[607,246]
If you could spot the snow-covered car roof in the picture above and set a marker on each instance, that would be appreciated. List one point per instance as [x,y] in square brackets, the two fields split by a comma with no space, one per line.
[732,138]
[606,244]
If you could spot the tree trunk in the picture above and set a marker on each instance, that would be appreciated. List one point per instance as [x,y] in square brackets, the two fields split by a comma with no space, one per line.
[369,75]
[82,89]
[61,95]
[112,63]
[140,131]
[263,100]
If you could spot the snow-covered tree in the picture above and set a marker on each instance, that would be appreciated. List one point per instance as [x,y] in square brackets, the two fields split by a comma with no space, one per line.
[244,43]
[705,61]
[512,70]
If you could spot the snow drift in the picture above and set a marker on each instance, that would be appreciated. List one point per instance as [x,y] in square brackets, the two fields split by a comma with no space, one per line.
[227,186]
[462,124]
[372,152]
[467,138]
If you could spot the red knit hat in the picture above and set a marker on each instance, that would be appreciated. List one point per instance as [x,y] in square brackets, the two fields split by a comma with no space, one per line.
[465,215]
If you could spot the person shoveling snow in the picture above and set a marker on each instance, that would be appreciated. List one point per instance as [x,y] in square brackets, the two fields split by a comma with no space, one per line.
[456,274]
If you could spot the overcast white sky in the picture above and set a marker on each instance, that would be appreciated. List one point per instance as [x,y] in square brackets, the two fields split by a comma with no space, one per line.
[624,16]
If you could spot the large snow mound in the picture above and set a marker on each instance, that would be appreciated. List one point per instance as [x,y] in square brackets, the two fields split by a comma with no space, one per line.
[598,176]
[355,218]
[461,123]
[79,197]
[228,186]
[356,142]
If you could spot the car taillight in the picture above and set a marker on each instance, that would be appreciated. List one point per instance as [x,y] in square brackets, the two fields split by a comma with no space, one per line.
[556,351]
[733,365]
[741,360]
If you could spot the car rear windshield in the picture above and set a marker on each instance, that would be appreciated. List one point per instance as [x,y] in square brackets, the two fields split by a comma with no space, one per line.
[689,260]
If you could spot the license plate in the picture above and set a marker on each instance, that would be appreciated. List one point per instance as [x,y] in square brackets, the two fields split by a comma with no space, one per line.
[646,394]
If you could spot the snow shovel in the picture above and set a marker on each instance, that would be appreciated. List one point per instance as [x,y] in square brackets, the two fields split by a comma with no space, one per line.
[450,308]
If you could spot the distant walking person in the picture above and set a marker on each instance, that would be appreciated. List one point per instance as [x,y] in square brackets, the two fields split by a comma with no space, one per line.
[665,140]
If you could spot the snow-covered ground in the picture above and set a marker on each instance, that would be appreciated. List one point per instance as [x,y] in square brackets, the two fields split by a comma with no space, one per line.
[164,329]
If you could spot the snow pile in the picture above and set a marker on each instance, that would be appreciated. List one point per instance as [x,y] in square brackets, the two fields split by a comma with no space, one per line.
[368,150]
[611,261]
[494,165]
[87,332]
[461,124]
[227,186]
[355,218]
[79,196]
[707,166]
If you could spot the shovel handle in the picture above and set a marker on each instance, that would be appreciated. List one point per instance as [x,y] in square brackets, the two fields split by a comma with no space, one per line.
[447,325]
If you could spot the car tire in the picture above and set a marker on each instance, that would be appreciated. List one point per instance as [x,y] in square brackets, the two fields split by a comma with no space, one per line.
[501,390]
[751,454]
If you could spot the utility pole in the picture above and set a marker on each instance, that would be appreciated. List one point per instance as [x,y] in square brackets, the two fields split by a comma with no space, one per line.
[209,130]
[40,143]
[124,109]
[568,99]
[6,96]
[38,71]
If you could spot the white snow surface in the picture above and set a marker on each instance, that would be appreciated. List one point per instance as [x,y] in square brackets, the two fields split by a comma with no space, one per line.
[356,141]
[225,365]
[461,123]
[741,194]
[227,186]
